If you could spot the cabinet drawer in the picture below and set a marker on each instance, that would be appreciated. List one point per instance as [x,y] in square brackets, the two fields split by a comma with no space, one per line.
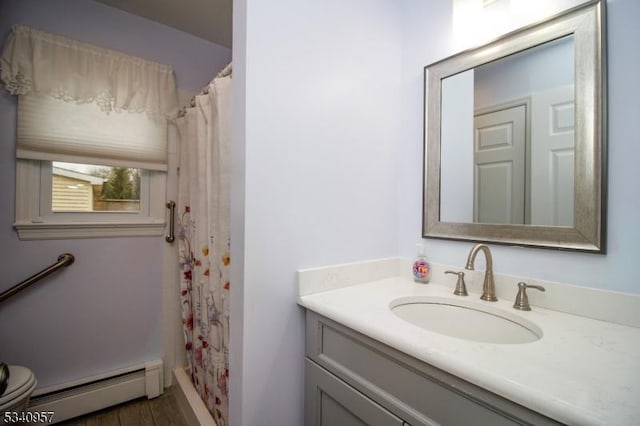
[331,402]
[419,393]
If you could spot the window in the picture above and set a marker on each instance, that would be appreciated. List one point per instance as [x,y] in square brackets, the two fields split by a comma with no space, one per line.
[91,149]
[53,202]
[93,188]
[83,173]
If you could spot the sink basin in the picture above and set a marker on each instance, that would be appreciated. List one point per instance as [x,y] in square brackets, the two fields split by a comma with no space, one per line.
[466,319]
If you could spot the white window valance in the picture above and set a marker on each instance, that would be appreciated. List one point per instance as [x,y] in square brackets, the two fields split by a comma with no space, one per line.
[36,62]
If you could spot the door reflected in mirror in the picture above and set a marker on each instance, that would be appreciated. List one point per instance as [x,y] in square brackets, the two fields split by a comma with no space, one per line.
[508,139]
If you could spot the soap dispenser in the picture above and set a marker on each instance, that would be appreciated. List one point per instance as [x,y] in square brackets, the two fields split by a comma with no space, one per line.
[421,269]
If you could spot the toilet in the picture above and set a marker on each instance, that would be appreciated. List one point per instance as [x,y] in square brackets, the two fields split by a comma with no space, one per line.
[21,385]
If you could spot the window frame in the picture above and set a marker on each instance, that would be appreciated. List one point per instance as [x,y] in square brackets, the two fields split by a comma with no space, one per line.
[35,219]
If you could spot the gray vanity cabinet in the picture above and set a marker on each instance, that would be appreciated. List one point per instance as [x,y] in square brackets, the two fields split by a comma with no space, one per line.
[332,402]
[352,379]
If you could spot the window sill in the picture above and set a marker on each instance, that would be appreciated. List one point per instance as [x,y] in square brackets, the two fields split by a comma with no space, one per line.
[58,230]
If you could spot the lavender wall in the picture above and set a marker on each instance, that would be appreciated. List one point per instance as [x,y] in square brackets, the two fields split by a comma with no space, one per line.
[104,312]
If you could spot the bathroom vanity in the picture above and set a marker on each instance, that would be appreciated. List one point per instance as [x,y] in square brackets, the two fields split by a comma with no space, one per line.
[352,378]
[366,365]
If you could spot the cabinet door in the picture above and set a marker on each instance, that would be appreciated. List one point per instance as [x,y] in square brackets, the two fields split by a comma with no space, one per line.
[331,402]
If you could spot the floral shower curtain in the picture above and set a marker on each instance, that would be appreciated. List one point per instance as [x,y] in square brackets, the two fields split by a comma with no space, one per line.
[203,238]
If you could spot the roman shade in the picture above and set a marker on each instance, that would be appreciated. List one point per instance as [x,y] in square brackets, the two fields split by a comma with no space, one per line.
[55,130]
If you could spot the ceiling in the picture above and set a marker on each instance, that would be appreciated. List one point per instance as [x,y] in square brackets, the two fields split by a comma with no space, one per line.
[207,19]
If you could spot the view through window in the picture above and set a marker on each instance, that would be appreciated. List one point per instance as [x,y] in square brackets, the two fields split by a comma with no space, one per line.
[94,188]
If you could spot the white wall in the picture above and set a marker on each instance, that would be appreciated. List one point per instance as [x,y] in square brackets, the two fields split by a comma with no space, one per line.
[475,23]
[426,38]
[104,312]
[613,271]
[520,75]
[320,133]
[457,148]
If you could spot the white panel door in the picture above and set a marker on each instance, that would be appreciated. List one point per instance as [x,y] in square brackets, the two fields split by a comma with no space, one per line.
[552,156]
[499,166]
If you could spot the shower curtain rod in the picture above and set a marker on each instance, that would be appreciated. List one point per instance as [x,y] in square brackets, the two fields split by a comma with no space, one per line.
[226,71]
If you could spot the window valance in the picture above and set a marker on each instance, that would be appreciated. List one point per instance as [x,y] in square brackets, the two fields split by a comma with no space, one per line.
[36,62]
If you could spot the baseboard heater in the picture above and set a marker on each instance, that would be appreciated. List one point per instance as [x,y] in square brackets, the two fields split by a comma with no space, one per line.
[92,394]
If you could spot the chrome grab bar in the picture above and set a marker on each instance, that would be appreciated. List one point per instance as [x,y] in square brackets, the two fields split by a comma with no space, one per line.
[65,259]
[171,205]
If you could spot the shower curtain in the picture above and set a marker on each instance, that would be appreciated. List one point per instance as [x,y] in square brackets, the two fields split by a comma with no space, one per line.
[203,237]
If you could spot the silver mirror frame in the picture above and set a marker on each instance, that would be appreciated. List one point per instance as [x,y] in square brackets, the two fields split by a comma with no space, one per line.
[587,24]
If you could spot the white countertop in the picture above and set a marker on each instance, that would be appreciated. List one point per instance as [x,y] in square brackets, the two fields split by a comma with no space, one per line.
[581,372]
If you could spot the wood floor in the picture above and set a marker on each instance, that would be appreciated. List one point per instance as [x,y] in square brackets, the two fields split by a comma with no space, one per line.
[161,411]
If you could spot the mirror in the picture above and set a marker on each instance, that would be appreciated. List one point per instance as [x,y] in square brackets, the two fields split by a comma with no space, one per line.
[514,137]
[507,139]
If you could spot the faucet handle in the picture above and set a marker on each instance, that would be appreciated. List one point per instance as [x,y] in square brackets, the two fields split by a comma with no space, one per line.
[461,288]
[522,301]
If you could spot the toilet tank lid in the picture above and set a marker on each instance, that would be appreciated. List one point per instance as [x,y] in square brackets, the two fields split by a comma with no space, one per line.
[21,379]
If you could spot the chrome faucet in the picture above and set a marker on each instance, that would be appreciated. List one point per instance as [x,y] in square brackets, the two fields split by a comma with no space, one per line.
[488,286]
